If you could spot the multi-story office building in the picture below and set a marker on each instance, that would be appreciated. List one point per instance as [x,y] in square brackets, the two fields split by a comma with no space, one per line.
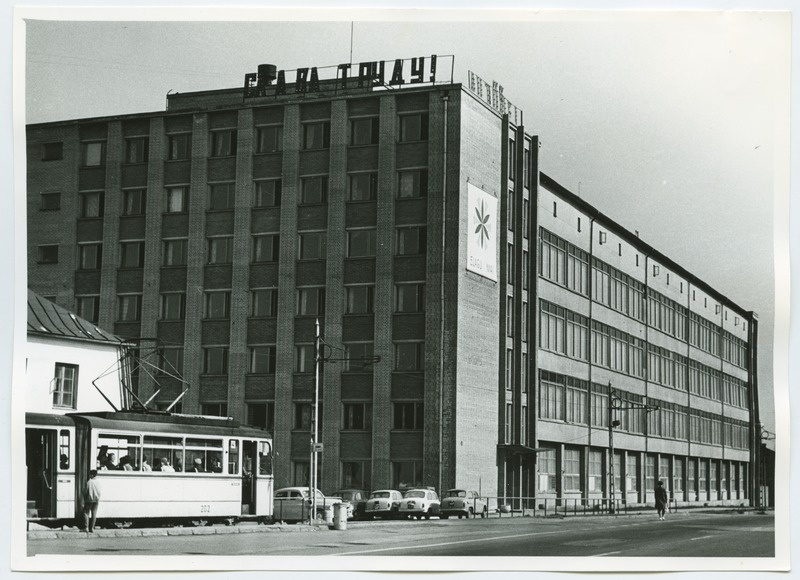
[478,319]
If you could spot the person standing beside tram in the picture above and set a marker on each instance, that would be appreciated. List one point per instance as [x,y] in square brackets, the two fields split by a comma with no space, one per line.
[91,501]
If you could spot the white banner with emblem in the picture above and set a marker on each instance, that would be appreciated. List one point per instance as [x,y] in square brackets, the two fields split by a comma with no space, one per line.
[481,232]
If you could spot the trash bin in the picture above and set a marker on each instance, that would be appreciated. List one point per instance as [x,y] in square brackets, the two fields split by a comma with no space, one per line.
[339,516]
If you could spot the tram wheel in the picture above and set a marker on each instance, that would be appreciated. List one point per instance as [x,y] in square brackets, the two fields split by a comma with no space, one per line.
[122,524]
[200,523]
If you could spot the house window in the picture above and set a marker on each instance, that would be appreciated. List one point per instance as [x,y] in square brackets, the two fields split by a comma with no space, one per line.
[215,360]
[410,297]
[179,146]
[363,186]
[222,196]
[90,256]
[88,308]
[133,202]
[52,151]
[358,357]
[406,474]
[408,415]
[132,255]
[171,361]
[414,127]
[220,250]
[317,135]
[223,143]
[93,153]
[364,131]
[267,193]
[311,301]
[266,248]
[269,139]
[304,358]
[262,359]
[65,385]
[409,356]
[130,307]
[176,199]
[265,302]
[175,252]
[137,149]
[356,416]
[261,415]
[50,201]
[412,183]
[218,304]
[361,243]
[312,246]
[92,205]
[214,409]
[314,190]
[411,241]
[359,299]
[173,306]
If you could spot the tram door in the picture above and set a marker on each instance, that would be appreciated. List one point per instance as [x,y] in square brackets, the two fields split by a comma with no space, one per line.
[249,468]
[40,458]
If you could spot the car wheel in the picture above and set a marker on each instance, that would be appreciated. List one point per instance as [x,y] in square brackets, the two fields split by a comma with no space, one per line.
[471,513]
[485,512]
[443,516]
[428,514]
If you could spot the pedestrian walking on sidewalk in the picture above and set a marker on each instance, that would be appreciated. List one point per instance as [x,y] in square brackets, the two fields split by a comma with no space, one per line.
[91,500]
[661,500]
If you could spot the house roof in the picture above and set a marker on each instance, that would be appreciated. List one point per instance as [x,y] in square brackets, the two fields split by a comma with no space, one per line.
[46,318]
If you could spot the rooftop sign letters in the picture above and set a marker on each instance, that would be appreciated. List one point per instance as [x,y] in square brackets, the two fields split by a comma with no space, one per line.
[369,74]
[492,95]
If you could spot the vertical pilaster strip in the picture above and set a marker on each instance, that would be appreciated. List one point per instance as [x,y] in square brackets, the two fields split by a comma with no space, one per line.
[108,274]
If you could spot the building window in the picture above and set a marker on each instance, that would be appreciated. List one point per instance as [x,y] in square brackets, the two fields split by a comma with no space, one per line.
[355,474]
[130,307]
[52,151]
[266,248]
[551,396]
[222,196]
[261,415]
[88,308]
[223,143]
[311,301]
[509,369]
[133,201]
[132,255]
[267,193]
[175,252]
[547,470]
[90,256]
[176,199]
[215,360]
[359,299]
[649,473]
[364,131]
[50,201]
[412,183]
[269,139]
[92,205]
[218,304]
[214,409]
[173,306]
[408,415]
[414,127]
[356,416]
[265,302]
[262,360]
[595,471]
[411,241]
[65,385]
[171,361]
[361,243]
[410,297]
[363,186]
[304,358]
[93,153]
[512,162]
[631,473]
[137,150]
[179,146]
[509,315]
[677,475]
[358,357]
[317,135]
[48,254]
[314,190]
[406,474]
[220,250]
[312,246]
[572,470]
[409,356]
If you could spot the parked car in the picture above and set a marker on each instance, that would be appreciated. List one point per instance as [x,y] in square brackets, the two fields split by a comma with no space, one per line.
[462,502]
[383,503]
[357,498]
[293,504]
[419,503]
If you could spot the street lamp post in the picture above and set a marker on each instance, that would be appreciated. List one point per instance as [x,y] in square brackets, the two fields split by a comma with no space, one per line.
[313,465]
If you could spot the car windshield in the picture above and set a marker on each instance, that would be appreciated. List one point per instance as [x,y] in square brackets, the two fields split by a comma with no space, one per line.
[344,494]
[415,494]
[456,493]
[379,494]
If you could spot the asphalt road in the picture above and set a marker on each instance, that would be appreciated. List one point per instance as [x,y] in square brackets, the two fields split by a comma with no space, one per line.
[727,535]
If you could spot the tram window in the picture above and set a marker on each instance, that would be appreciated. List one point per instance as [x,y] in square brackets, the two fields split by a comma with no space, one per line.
[164,451]
[233,456]
[207,451]
[264,458]
[115,451]
[63,450]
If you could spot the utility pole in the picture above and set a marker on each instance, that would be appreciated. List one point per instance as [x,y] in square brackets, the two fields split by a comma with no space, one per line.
[314,462]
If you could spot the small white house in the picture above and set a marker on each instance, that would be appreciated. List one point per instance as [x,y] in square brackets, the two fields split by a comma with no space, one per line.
[71,365]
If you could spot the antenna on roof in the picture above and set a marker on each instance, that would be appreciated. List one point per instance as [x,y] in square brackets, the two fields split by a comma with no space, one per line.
[351,41]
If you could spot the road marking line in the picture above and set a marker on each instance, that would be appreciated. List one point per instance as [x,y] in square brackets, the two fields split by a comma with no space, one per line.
[702,538]
[606,554]
[395,548]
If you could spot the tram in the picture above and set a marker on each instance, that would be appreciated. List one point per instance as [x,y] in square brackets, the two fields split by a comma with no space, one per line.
[153,468]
